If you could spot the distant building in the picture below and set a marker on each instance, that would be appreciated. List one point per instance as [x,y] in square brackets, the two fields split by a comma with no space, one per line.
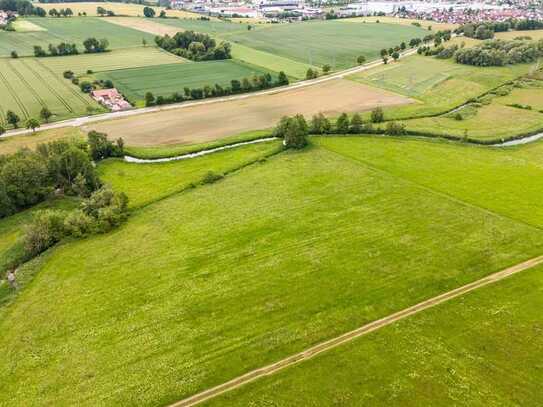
[111,98]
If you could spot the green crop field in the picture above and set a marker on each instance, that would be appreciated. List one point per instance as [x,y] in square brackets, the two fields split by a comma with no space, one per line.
[72,30]
[439,85]
[327,42]
[117,59]
[27,85]
[483,349]
[166,79]
[199,287]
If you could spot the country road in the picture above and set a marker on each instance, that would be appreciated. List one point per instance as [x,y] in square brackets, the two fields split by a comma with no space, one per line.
[350,336]
[80,121]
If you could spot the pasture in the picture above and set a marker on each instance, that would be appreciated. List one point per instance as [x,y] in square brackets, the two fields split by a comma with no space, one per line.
[438,85]
[72,30]
[455,354]
[191,291]
[210,121]
[334,43]
[499,117]
[166,79]
[117,59]
[27,85]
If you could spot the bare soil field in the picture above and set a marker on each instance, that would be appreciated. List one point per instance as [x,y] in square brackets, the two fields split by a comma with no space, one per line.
[196,124]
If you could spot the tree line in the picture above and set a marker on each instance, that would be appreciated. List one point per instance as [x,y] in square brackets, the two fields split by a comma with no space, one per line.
[295,130]
[257,82]
[194,46]
[22,7]
[91,45]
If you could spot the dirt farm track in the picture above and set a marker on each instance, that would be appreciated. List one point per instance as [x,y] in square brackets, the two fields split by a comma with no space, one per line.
[208,122]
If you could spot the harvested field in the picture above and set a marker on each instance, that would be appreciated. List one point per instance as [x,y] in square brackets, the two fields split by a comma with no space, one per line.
[118,8]
[212,121]
[145,25]
[10,145]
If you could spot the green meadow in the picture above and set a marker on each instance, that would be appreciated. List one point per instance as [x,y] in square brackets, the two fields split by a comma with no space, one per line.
[200,286]
[166,79]
[437,85]
[482,349]
[72,30]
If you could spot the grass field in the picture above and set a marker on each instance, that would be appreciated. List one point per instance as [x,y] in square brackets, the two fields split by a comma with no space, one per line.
[117,59]
[494,121]
[124,9]
[510,35]
[205,285]
[166,79]
[402,21]
[483,349]
[27,85]
[334,43]
[72,30]
[146,183]
[439,85]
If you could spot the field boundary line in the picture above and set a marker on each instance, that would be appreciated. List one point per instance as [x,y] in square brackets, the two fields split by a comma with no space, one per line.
[354,334]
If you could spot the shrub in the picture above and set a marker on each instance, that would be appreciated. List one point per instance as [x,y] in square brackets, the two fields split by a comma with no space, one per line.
[395,129]
[211,177]
[320,124]
[46,229]
[357,126]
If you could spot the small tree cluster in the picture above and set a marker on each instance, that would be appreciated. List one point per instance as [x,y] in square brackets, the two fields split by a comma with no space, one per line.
[499,53]
[67,12]
[194,46]
[293,130]
[92,45]
[102,12]
[101,212]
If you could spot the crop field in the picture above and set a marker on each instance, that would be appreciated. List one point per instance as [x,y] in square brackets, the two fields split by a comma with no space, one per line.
[212,27]
[201,295]
[10,145]
[334,43]
[240,52]
[402,21]
[481,349]
[116,59]
[167,79]
[439,85]
[124,9]
[27,85]
[510,35]
[211,121]
[72,30]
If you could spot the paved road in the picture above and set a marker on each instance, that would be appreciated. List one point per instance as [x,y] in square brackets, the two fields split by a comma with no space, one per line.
[349,336]
[80,121]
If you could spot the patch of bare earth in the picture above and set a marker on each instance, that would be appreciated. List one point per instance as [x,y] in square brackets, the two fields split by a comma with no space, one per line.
[196,124]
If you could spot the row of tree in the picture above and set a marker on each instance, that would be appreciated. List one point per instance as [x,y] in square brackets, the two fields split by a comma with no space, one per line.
[29,177]
[91,45]
[194,46]
[257,82]
[294,130]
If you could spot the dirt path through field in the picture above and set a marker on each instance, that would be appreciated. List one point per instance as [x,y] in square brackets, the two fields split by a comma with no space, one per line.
[349,336]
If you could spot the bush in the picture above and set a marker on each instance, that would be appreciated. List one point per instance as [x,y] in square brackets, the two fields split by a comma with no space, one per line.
[395,129]
[68,74]
[46,229]
[211,177]
[342,124]
[294,130]
[320,125]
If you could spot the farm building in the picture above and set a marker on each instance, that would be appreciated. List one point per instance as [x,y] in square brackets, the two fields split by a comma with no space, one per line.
[111,98]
